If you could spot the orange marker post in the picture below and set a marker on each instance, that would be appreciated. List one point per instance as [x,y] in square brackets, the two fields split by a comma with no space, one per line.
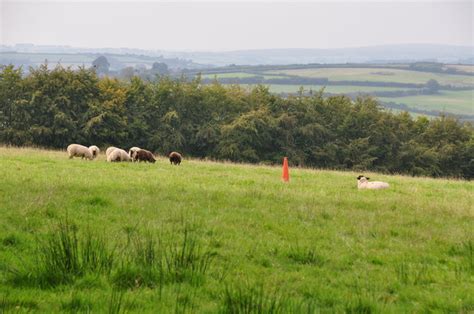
[286,174]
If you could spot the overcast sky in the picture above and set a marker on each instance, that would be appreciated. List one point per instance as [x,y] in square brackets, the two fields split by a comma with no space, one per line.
[235,25]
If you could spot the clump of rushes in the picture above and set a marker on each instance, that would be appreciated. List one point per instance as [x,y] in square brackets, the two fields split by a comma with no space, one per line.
[152,262]
[187,260]
[252,299]
[305,256]
[64,256]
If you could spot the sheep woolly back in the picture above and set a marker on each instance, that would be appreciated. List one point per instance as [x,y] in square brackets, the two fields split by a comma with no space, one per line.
[364,183]
[109,150]
[118,155]
[77,150]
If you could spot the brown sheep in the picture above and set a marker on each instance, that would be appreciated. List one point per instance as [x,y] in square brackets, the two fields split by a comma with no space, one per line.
[175,158]
[144,155]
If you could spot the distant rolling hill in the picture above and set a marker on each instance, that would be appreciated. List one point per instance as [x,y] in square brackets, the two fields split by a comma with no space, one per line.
[378,54]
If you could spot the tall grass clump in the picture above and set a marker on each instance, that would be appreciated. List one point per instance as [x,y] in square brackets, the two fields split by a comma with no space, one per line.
[116,302]
[305,256]
[65,256]
[360,306]
[243,299]
[16,304]
[77,304]
[465,250]
[142,264]
[187,260]
[153,262]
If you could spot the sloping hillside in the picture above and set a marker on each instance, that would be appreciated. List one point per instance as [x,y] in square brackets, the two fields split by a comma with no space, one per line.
[205,237]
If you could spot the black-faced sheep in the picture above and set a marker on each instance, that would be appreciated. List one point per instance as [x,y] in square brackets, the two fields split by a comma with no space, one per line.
[175,158]
[144,155]
[76,150]
[363,183]
[118,155]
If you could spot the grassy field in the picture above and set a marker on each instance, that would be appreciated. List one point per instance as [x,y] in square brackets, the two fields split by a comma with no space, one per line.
[379,75]
[238,75]
[336,89]
[216,237]
[457,102]
[226,75]
[461,67]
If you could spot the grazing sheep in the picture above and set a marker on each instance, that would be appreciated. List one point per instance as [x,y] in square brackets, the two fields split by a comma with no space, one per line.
[144,155]
[118,155]
[175,158]
[94,150]
[132,151]
[76,150]
[109,150]
[363,183]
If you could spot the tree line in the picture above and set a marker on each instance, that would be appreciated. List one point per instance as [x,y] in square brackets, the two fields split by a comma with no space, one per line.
[55,107]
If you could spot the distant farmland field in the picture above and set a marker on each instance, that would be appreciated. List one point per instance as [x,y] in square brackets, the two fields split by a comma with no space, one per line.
[462,67]
[380,75]
[336,89]
[239,75]
[457,102]
[359,80]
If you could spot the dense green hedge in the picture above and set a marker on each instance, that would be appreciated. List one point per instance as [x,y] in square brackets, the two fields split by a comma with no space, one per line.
[53,108]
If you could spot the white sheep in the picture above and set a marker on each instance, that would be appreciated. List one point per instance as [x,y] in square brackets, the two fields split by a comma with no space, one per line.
[132,152]
[118,155]
[109,150]
[363,183]
[76,150]
[94,150]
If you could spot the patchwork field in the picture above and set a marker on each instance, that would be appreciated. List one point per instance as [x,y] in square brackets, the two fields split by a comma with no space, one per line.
[209,237]
[462,67]
[457,102]
[380,75]
[336,89]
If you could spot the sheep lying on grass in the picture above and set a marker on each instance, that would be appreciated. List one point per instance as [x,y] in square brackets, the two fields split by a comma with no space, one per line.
[118,155]
[76,150]
[175,158]
[144,155]
[110,150]
[363,183]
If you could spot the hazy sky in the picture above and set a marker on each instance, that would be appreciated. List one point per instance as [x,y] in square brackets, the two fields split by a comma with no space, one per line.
[235,25]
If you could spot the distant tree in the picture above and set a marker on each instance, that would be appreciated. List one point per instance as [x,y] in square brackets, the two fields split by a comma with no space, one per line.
[127,73]
[432,85]
[101,65]
[160,68]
